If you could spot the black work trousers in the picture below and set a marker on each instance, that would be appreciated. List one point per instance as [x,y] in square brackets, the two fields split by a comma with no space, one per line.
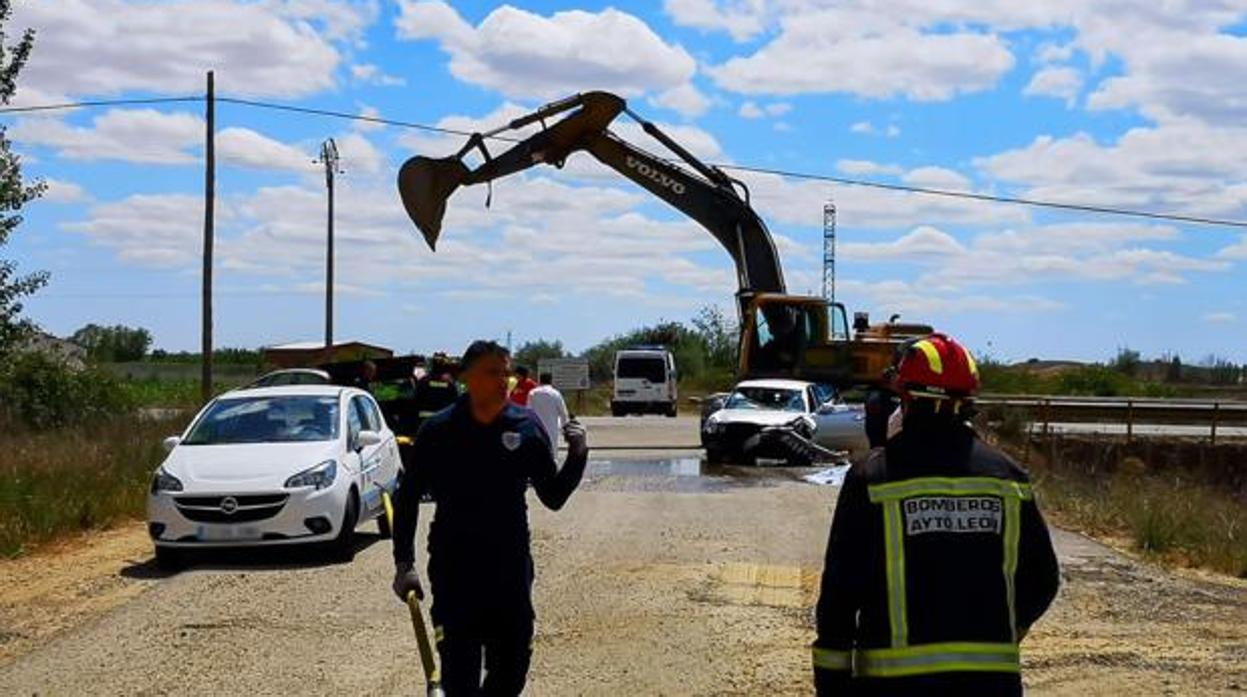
[490,624]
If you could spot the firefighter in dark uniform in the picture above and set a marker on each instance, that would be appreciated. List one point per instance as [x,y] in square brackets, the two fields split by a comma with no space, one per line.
[477,458]
[435,390]
[938,561]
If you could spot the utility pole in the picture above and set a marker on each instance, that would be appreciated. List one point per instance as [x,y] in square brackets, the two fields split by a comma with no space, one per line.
[829,251]
[329,158]
[209,208]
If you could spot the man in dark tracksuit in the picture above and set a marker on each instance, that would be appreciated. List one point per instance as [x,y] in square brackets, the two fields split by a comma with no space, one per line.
[477,458]
[938,561]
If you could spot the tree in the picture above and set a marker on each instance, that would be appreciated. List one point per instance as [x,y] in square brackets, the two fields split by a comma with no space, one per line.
[1173,373]
[14,194]
[1127,361]
[117,343]
[530,353]
[720,336]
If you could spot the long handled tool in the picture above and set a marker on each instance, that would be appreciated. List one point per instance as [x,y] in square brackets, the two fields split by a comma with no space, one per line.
[433,676]
[428,660]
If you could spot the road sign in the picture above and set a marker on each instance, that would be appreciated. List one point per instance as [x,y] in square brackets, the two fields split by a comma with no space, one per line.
[568,373]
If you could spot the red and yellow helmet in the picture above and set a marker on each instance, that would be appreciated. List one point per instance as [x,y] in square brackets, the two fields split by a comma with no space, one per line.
[936,367]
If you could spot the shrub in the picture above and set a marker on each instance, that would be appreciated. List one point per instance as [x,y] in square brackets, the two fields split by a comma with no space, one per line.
[44,393]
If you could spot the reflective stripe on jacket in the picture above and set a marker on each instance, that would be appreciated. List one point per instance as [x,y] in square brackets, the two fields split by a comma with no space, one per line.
[937,563]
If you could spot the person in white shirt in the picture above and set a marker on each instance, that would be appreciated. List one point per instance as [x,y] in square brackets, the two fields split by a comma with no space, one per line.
[550,407]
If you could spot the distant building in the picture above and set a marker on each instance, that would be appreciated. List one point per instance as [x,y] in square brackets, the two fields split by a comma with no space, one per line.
[307,354]
[63,350]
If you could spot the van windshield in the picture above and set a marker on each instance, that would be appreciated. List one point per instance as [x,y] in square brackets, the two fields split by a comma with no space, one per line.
[642,368]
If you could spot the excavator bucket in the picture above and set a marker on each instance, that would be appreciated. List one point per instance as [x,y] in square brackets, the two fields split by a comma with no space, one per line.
[424,184]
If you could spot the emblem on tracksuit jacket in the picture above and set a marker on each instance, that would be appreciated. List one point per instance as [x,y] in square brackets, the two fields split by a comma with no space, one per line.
[510,440]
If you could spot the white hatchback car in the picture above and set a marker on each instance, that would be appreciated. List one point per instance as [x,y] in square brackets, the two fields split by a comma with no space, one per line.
[274,465]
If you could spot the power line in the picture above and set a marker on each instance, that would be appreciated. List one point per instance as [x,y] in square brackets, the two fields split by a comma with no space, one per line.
[808,176]
[97,103]
[355,117]
[989,198]
[846,181]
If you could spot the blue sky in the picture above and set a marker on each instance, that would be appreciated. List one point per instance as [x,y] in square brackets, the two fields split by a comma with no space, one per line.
[1115,103]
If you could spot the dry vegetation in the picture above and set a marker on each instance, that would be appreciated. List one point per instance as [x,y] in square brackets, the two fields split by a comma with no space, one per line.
[65,480]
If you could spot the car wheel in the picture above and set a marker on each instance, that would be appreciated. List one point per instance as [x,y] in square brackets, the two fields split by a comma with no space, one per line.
[714,455]
[170,559]
[343,547]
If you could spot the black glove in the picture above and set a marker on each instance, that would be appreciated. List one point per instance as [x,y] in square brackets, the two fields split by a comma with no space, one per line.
[406,580]
[577,439]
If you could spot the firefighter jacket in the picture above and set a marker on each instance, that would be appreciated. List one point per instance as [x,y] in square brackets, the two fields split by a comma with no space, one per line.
[937,564]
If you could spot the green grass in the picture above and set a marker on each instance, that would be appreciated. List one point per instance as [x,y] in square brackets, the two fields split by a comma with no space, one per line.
[69,480]
[1086,380]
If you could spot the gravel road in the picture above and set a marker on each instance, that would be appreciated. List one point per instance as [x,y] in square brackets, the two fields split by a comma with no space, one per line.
[659,577]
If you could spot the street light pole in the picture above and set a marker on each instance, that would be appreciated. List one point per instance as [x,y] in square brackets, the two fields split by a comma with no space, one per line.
[329,157]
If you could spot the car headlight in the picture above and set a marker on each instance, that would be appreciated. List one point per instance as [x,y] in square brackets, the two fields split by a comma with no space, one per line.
[321,476]
[163,481]
[713,426]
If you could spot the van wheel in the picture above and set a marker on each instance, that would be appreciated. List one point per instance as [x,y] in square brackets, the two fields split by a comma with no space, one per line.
[343,547]
[672,411]
[618,411]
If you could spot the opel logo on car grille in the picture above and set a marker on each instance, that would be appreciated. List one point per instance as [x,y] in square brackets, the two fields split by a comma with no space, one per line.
[229,504]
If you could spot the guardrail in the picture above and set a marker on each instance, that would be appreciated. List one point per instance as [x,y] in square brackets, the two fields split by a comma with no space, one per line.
[1128,411]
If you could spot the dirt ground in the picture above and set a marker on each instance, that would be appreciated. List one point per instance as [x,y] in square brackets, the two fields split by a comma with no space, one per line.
[657,578]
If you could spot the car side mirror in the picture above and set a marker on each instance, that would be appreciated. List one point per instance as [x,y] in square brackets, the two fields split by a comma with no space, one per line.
[367,439]
[171,442]
[827,408]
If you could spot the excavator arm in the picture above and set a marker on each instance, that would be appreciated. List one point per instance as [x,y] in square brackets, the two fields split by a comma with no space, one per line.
[700,191]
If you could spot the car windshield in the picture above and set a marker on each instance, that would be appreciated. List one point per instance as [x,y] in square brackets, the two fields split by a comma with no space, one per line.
[766,398]
[266,420]
[652,369]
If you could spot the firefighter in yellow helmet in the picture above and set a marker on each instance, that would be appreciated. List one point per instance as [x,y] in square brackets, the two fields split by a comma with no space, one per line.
[938,560]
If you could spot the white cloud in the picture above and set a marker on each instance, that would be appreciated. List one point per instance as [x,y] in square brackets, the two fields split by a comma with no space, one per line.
[685,99]
[62,191]
[778,108]
[1220,318]
[925,243]
[742,19]
[867,128]
[937,178]
[160,230]
[750,110]
[525,55]
[1060,82]
[369,112]
[147,136]
[919,301]
[372,74]
[358,154]
[1184,167]
[91,47]
[130,135]
[244,147]
[867,168]
[867,53]
[1234,252]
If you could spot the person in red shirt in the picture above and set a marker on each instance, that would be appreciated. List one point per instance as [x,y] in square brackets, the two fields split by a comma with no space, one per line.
[525,384]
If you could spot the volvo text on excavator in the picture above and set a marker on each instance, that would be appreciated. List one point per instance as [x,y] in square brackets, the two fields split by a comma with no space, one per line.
[782,335]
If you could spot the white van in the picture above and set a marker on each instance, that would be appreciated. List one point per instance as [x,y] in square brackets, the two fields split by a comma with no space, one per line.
[645,382]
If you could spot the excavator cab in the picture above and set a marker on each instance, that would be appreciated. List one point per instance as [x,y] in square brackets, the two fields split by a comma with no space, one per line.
[786,336]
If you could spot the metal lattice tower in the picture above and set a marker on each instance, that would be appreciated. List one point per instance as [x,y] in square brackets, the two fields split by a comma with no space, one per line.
[829,251]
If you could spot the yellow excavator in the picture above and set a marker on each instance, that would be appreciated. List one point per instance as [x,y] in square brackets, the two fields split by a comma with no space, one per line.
[781,335]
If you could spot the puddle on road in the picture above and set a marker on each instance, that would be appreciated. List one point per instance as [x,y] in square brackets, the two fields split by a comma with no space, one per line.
[684,474]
